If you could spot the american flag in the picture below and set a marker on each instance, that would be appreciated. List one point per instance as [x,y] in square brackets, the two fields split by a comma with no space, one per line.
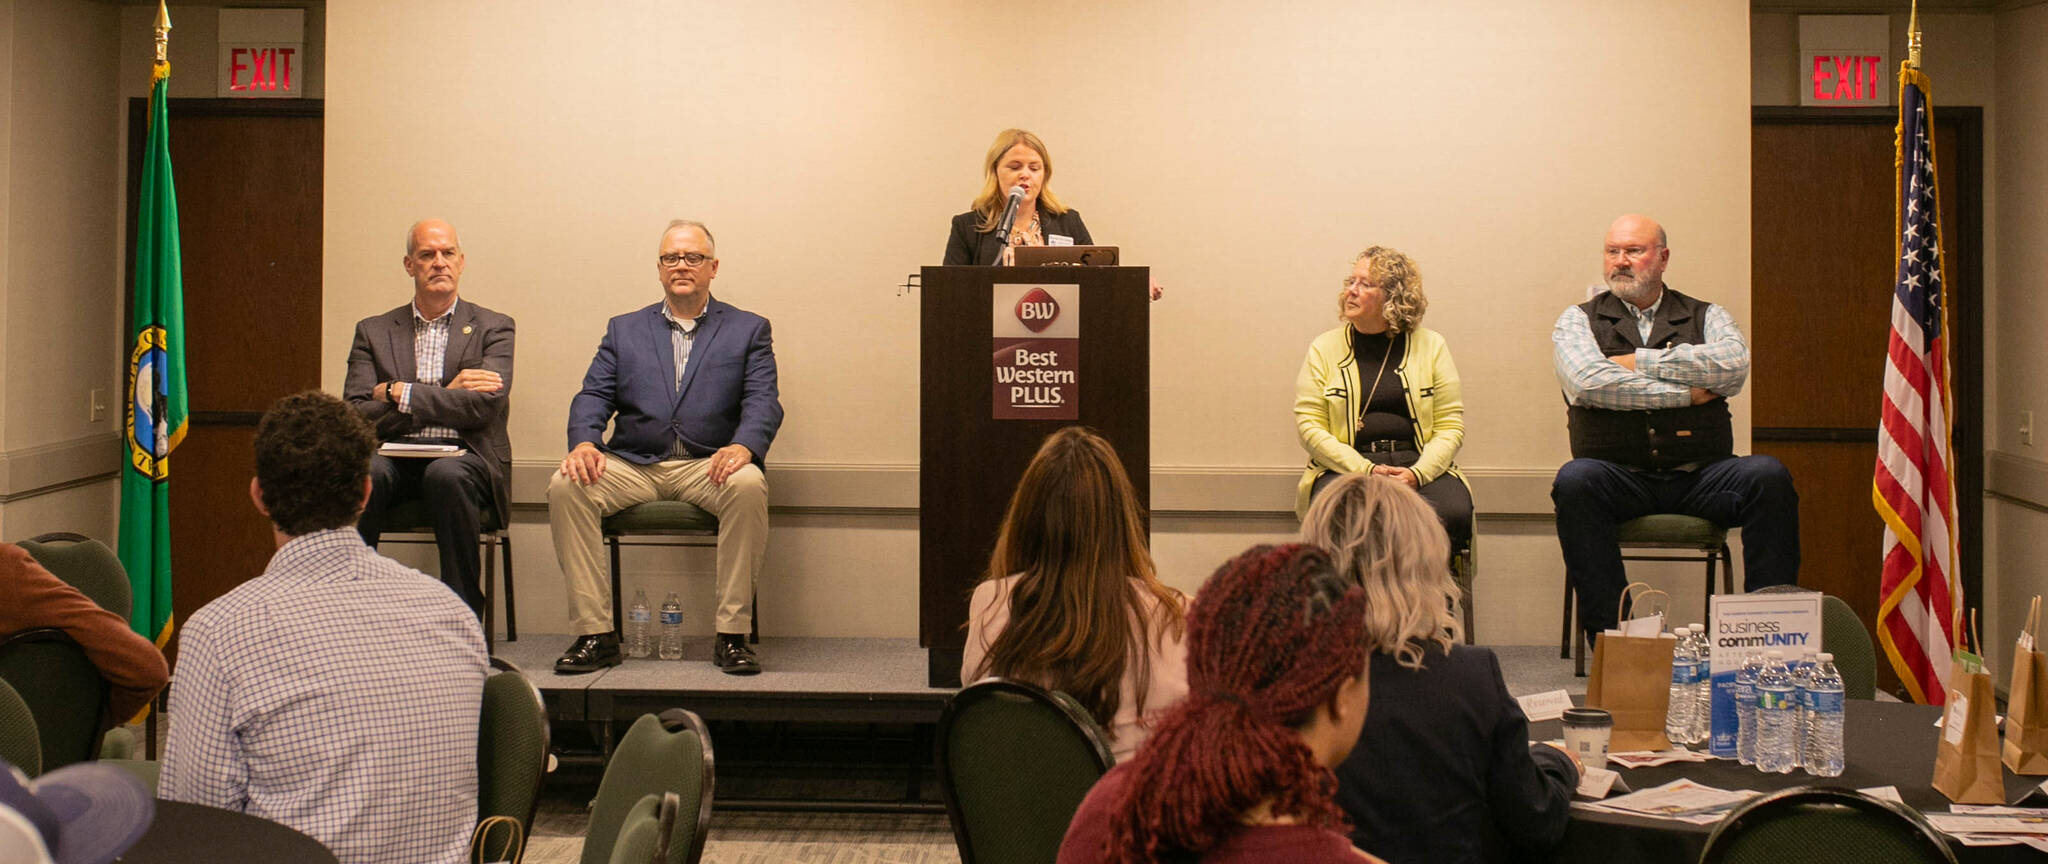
[1914,490]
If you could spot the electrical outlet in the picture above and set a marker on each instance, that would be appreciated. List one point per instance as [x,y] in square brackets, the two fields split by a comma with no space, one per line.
[2026,428]
[99,404]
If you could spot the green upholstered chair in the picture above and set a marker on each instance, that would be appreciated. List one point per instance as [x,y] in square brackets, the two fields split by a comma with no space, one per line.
[63,689]
[512,748]
[410,522]
[19,743]
[667,754]
[1014,763]
[680,523]
[646,835]
[87,565]
[1824,826]
[1670,536]
[1842,634]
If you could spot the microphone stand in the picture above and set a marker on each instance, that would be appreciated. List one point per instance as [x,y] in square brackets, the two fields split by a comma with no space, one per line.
[1003,227]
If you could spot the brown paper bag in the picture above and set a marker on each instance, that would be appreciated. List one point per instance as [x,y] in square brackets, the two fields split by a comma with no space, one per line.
[1966,765]
[1632,679]
[2026,712]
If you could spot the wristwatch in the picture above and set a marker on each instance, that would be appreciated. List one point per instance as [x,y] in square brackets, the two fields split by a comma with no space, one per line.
[391,392]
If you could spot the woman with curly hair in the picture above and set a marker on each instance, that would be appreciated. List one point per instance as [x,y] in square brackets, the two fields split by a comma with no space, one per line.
[1379,394]
[1444,772]
[1070,601]
[1240,770]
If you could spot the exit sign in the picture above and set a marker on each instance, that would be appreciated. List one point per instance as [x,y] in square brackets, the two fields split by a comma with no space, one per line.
[262,54]
[1845,61]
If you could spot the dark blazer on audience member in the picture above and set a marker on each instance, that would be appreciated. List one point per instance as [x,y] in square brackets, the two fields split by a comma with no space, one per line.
[728,393]
[478,338]
[1444,772]
[968,246]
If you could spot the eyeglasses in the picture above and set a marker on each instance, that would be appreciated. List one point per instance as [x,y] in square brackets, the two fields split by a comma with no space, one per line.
[689,258]
[1632,253]
[1359,282]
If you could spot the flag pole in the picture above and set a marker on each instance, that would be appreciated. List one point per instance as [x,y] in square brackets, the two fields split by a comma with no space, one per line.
[1912,38]
[163,35]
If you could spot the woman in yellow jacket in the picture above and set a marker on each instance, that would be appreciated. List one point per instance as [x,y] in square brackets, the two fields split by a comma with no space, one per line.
[1379,394]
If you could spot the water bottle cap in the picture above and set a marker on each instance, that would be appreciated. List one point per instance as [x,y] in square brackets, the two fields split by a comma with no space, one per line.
[1682,631]
[1824,657]
[1697,627]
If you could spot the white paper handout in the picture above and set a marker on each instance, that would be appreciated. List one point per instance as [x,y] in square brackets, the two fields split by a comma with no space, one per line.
[1681,799]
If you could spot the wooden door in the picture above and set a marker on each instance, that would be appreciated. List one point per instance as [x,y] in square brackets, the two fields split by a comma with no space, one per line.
[1822,267]
[248,178]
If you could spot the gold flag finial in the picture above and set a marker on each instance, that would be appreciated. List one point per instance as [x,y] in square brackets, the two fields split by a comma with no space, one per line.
[1913,38]
[163,33]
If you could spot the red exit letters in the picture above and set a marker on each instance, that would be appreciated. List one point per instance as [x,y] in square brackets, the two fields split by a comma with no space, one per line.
[267,69]
[1847,79]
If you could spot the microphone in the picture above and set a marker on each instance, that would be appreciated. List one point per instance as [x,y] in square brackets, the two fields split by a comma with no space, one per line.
[1009,216]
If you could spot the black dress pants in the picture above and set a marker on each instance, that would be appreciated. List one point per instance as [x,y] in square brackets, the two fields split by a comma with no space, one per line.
[455,489]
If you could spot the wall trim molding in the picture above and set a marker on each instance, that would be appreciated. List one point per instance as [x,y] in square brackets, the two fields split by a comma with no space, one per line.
[2017,478]
[1208,490]
[31,471]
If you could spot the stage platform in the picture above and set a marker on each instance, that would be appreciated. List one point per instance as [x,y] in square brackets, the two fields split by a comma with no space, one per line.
[836,680]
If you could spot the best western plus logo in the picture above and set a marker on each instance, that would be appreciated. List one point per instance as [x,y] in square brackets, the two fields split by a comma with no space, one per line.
[1037,310]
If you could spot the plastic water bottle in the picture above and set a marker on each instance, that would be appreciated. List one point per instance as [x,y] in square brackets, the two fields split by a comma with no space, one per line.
[1678,715]
[1777,717]
[671,628]
[1703,689]
[1745,707]
[1802,679]
[1824,756]
[638,622]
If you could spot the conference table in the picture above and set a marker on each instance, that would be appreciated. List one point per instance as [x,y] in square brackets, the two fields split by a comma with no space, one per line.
[1887,744]
[185,833]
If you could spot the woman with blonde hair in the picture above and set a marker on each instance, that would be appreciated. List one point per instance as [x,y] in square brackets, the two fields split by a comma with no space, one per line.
[1070,601]
[1443,771]
[1379,394]
[1017,160]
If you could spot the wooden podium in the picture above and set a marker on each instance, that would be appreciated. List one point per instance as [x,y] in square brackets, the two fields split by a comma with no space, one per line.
[970,458]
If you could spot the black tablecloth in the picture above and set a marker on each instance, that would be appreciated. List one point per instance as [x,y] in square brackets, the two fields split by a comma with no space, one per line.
[190,833]
[1887,744]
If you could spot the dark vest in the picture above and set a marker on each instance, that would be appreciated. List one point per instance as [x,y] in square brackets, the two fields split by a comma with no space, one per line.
[1665,439]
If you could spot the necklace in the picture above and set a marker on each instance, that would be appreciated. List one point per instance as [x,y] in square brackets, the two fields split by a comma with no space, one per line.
[1365,401]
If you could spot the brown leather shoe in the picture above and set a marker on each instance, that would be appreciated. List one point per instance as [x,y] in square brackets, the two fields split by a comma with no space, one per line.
[731,654]
[589,654]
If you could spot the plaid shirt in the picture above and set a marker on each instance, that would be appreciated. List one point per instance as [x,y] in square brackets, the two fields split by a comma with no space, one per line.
[1663,377]
[429,350]
[336,694]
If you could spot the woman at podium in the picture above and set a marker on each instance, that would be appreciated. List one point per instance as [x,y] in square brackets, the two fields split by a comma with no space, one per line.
[1379,394]
[1070,601]
[1017,165]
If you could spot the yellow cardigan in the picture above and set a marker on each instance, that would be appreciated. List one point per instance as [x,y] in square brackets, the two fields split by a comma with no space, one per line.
[1325,414]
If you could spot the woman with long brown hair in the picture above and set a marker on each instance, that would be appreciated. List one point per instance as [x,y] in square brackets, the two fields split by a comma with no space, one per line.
[1239,772]
[1070,601]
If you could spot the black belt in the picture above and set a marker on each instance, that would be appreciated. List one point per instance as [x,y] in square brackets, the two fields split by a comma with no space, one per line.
[1384,445]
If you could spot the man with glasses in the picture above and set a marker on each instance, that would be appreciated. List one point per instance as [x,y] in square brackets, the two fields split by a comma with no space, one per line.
[1647,373]
[688,385]
[435,378]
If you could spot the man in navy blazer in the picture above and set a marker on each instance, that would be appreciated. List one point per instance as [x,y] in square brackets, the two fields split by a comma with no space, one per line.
[688,385]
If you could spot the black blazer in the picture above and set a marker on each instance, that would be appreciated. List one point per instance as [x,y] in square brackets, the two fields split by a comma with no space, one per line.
[477,338]
[1444,771]
[971,247]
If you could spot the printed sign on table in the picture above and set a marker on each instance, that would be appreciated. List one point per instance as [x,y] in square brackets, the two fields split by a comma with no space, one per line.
[1037,354]
[1742,623]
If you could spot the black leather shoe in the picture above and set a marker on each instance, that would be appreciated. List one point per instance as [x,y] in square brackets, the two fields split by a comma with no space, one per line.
[731,653]
[589,654]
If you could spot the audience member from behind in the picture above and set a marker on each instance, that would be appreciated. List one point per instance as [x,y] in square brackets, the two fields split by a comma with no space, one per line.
[337,693]
[1071,602]
[132,665]
[1240,770]
[1444,771]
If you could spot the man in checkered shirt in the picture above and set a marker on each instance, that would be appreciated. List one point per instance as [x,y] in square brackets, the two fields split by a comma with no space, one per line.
[337,693]
[1647,373]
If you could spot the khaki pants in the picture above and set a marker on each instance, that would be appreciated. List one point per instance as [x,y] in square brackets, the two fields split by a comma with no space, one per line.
[576,513]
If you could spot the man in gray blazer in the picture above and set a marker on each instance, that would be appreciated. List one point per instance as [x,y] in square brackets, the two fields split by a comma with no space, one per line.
[437,370]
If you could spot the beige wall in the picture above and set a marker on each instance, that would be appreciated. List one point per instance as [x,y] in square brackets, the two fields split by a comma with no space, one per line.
[58,298]
[1245,151]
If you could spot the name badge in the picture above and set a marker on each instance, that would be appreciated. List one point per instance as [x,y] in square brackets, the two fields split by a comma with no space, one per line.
[1058,240]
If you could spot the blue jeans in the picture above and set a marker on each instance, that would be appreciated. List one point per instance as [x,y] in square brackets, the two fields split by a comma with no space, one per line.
[1594,497]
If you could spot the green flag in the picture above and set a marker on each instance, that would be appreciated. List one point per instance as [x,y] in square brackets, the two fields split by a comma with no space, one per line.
[156,382]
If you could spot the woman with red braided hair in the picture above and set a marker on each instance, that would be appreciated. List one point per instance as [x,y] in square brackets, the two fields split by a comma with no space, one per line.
[1240,770]
[1444,772]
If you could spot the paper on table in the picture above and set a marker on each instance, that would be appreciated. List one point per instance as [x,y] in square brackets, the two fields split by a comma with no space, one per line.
[1548,705]
[1680,799]
[1987,823]
[1883,793]
[1597,782]
[1997,810]
[1653,758]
